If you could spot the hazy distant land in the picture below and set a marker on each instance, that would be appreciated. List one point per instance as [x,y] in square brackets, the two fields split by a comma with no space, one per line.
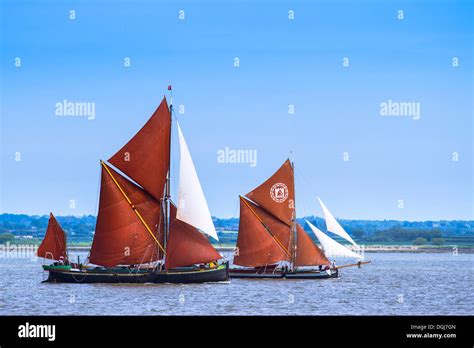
[22,228]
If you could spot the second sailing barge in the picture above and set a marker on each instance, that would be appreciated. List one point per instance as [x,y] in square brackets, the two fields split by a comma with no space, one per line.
[270,243]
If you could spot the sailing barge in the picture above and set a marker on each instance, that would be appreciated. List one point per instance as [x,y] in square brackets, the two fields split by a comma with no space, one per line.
[141,235]
[271,244]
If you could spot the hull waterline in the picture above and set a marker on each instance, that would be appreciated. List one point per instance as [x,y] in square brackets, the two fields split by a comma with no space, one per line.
[250,274]
[61,276]
[220,273]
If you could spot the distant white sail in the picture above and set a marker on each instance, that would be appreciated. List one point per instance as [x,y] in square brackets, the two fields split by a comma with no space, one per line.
[333,226]
[330,246]
[192,205]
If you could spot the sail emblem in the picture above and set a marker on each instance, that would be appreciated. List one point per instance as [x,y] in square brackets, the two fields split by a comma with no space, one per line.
[279,192]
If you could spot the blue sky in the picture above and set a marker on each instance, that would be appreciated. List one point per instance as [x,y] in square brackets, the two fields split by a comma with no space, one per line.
[282,62]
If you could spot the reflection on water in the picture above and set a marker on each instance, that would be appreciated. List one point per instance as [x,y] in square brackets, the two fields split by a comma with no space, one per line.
[394,283]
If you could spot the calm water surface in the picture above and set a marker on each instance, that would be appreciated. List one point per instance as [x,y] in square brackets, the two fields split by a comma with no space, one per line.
[394,283]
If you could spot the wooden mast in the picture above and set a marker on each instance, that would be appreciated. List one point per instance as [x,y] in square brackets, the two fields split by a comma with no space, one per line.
[293,226]
[65,242]
[167,196]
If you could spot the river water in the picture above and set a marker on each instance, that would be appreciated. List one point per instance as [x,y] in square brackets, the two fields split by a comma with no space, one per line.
[393,284]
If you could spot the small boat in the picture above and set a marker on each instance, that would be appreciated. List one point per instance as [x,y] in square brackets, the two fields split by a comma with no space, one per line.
[54,246]
[270,243]
[141,235]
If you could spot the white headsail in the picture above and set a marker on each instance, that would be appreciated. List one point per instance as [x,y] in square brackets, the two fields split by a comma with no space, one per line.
[330,246]
[333,226]
[192,205]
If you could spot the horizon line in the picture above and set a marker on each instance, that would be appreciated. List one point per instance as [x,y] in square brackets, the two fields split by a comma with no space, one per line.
[229,218]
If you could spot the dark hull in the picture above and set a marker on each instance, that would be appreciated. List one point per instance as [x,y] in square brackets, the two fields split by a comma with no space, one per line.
[92,277]
[198,276]
[178,276]
[249,274]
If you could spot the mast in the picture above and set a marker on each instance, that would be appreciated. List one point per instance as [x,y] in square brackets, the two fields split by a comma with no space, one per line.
[67,251]
[293,228]
[167,196]
[187,222]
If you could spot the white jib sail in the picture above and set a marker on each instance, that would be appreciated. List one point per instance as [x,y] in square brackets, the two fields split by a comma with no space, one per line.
[331,247]
[192,205]
[333,226]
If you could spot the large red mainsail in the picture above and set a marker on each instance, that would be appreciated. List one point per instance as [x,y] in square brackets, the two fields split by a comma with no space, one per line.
[120,235]
[53,245]
[277,194]
[187,246]
[308,253]
[258,245]
[146,157]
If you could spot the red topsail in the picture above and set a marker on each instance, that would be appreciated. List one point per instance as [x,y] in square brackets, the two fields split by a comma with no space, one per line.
[146,157]
[277,194]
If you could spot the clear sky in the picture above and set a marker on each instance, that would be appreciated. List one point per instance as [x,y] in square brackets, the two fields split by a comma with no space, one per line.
[48,160]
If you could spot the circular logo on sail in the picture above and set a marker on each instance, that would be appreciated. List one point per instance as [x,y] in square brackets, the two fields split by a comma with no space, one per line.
[279,192]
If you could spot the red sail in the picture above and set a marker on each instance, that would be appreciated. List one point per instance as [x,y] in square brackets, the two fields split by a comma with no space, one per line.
[308,253]
[256,246]
[120,236]
[146,157]
[186,245]
[277,194]
[53,245]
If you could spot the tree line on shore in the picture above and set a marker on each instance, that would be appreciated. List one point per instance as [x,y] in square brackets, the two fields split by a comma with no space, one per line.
[81,229]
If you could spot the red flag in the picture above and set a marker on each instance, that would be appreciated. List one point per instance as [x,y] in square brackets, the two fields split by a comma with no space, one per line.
[169,88]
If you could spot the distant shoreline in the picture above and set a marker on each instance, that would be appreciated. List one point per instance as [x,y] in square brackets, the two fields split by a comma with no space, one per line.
[371,248]
[380,248]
